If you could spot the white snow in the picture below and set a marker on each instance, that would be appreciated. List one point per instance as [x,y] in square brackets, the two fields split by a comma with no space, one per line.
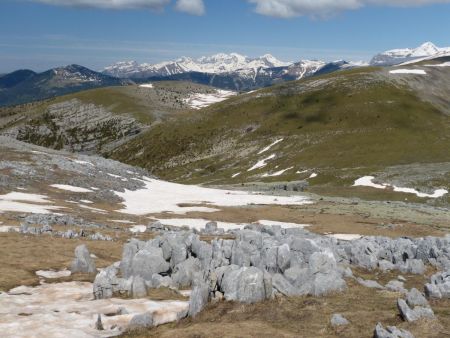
[270,146]
[96,210]
[345,237]
[69,310]
[24,202]
[86,201]
[120,221]
[83,162]
[199,223]
[70,188]
[278,173]
[138,229]
[367,181]
[198,101]
[262,163]
[161,196]
[408,71]
[313,175]
[445,64]
[284,225]
[7,228]
[146,85]
[51,274]
[113,175]
[235,175]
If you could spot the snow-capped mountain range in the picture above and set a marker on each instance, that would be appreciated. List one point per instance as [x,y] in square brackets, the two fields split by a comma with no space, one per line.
[397,56]
[215,64]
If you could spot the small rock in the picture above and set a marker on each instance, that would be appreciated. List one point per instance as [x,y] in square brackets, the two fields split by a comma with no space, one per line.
[99,324]
[144,320]
[338,320]
[83,262]
[415,298]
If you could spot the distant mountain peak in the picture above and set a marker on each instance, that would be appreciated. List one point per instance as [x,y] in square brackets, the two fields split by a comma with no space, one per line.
[397,56]
[214,64]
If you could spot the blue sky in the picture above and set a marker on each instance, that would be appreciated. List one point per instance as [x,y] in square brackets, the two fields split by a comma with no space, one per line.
[40,34]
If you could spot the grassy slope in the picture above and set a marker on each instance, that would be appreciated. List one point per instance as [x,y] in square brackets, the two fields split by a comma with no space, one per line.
[341,125]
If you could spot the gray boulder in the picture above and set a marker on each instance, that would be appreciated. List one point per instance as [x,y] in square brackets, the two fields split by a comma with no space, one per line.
[185,272]
[138,288]
[396,286]
[369,283]
[338,320]
[198,299]
[412,315]
[128,253]
[246,285]
[83,262]
[415,298]
[283,286]
[390,332]
[141,321]
[148,262]
[283,257]
[211,227]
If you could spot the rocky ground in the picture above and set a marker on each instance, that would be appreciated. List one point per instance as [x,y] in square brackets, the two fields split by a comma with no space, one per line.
[95,248]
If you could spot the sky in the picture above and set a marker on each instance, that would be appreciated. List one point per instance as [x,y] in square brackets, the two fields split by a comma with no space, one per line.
[41,34]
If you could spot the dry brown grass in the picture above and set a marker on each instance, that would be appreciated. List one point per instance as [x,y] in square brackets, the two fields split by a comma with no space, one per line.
[324,218]
[304,317]
[22,255]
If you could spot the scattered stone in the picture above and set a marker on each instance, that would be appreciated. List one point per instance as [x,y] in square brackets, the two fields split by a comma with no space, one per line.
[141,321]
[390,332]
[412,315]
[415,298]
[338,320]
[83,262]
[369,283]
[396,286]
[198,299]
[99,324]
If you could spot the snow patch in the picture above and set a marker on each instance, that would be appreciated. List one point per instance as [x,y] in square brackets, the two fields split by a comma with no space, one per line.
[198,101]
[278,173]
[345,237]
[146,85]
[138,229]
[24,202]
[69,310]
[262,163]
[161,196]
[70,188]
[8,228]
[235,175]
[367,181]
[408,71]
[270,146]
[51,274]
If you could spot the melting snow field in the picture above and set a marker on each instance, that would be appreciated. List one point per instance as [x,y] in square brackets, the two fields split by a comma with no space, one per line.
[23,202]
[161,196]
[50,274]
[199,223]
[70,188]
[39,311]
[408,71]
[367,181]
[198,101]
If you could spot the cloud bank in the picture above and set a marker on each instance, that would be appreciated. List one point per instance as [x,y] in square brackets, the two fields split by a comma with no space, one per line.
[194,7]
[325,8]
[275,8]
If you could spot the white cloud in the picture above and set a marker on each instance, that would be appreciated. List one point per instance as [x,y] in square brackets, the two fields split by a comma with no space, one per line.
[324,8]
[110,4]
[194,7]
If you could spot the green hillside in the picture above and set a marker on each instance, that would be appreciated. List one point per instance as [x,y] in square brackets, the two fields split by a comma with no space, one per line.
[340,126]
